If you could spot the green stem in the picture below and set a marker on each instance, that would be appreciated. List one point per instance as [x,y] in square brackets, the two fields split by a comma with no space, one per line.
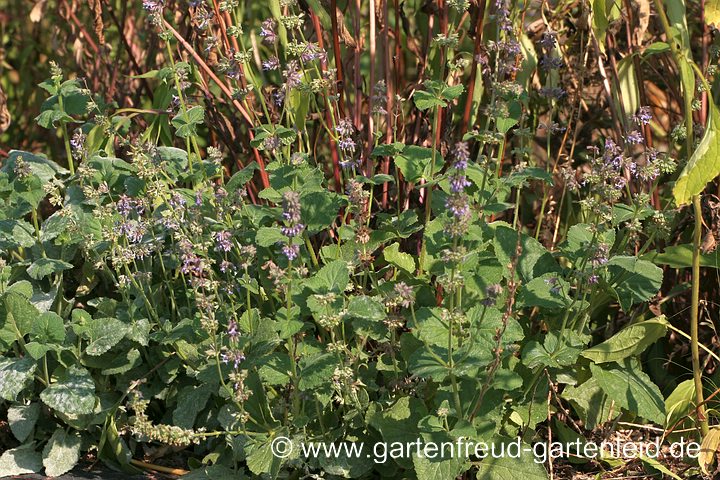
[695,301]
[429,189]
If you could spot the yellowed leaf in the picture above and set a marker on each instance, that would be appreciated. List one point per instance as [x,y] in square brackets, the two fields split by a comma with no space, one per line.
[709,446]
[712,12]
[37,11]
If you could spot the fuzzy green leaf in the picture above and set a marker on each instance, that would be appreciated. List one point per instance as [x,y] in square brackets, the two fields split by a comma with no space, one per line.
[74,394]
[402,260]
[704,165]
[22,419]
[49,327]
[43,267]
[21,460]
[632,340]
[632,389]
[634,280]
[61,453]
[102,334]
[14,376]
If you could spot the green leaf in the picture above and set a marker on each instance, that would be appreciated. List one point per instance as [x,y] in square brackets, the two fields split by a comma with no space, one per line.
[186,123]
[260,458]
[61,453]
[38,350]
[549,354]
[677,14]
[191,401]
[590,403]
[656,465]
[43,267]
[680,402]
[603,13]
[275,369]
[16,233]
[632,389]
[368,314]
[74,394]
[505,467]
[427,468]
[22,419]
[317,371]
[49,327]
[333,277]
[402,260]
[16,314]
[39,165]
[319,209]
[344,463]
[267,236]
[122,363]
[21,460]
[426,100]
[102,334]
[388,150]
[453,92]
[629,90]
[634,280]
[534,260]
[241,177]
[547,291]
[15,374]
[399,423]
[632,340]
[680,256]
[704,165]
[414,162]
[656,48]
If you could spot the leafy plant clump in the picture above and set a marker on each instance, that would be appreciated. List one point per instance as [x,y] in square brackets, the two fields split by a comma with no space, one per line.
[446,221]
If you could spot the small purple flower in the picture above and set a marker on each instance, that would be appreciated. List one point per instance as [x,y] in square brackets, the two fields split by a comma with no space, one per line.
[554,93]
[267,31]
[191,263]
[462,156]
[551,63]
[124,205]
[404,294]
[271,143]
[223,241]
[458,205]
[177,201]
[152,5]
[347,145]
[234,357]
[643,116]
[548,40]
[554,285]
[293,230]
[291,206]
[77,142]
[291,252]
[232,330]
[292,75]
[458,182]
[271,63]
[313,52]
[635,137]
